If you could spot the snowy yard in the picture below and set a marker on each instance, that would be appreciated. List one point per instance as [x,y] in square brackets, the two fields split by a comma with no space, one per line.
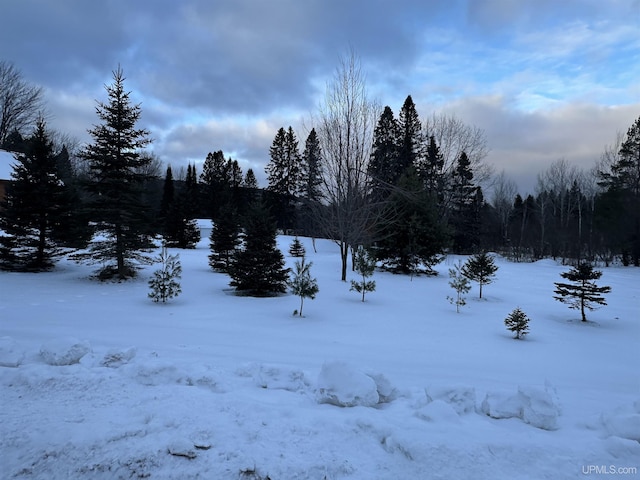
[215,386]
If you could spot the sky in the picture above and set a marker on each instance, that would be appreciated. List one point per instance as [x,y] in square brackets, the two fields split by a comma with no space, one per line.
[544,79]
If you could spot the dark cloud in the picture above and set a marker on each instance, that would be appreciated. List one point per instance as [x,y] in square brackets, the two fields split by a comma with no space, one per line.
[226,74]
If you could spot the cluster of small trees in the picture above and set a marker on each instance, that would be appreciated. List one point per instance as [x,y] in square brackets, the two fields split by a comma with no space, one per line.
[582,293]
[407,189]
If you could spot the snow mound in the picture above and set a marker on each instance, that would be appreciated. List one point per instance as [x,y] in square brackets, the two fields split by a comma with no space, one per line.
[386,391]
[64,351]
[438,411]
[117,357]
[536,406]
[157,372]
[501,405]
[275,377]
[623,422]
[539,408]
[11,355]
[343,385]
[462,399]
[182,448]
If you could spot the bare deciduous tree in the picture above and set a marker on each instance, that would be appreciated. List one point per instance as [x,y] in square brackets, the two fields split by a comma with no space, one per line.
[20,102]
[345,125]
[453,137]
[504,191]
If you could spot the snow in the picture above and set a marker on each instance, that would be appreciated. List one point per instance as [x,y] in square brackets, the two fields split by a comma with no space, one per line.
[98,382]
[7,160]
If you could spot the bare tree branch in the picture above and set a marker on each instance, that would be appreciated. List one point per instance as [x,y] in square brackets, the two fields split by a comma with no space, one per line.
[20,102]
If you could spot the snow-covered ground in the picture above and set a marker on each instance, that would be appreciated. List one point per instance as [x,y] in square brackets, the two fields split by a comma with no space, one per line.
[215,386]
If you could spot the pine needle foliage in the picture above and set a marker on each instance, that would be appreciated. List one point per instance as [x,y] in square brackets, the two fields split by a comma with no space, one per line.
[296,249]
[583,292]
[480,268]
[460,284]
[165,283]
[117,170]
[365,264]
[302,284]
[224,239]
[517,322]
[33,208]
[258,269]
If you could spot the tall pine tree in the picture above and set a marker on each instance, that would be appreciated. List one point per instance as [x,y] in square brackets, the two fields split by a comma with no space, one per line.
[258,268]
[410,136]
[34,207]
[384,168]
[117,170]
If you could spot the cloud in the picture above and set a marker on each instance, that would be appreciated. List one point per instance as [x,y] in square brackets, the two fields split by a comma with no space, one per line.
[227,74]
[525,144]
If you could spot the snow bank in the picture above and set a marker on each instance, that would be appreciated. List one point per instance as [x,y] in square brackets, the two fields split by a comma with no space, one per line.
[11,355]
[438,411]
[118,356]
[536,406]
[623,422]
[539,408]
[462,399]
[343,385]
[64,351]
[275,377]
[501,405]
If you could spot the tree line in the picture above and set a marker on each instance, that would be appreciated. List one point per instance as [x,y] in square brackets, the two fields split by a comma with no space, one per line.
[406,189]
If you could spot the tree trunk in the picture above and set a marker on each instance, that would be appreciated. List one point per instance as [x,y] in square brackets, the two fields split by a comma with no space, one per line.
[344,254]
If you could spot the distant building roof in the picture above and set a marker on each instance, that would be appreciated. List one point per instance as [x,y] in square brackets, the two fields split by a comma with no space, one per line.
[6,165]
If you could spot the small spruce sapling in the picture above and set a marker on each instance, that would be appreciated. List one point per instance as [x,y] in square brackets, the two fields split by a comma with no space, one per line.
[481,269]
[517,322]
[460,284]
[301,283]
[296,249]
[583,292]
[165,281]
[365,264]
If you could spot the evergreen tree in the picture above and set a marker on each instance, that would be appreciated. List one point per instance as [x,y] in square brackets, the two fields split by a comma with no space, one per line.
[411,233]
[168,192]
[464,209]
[284,167]
[258,268]
[296,249]
[180,231]
[517,322]
[480,268]
[235,174]
[384,168]
[250,180]
[311,168]
[410,136]
[364,264]
[33,207]
[582,292]
[622,197]
[430,169]
[224,239]
[165,283]
[460,284]
[302,284]
[216,181]
[70,228]
[116,204]
[190,193]
[285,176]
